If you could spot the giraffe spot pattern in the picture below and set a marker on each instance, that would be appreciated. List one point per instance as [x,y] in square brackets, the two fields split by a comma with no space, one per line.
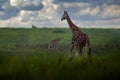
[79,38]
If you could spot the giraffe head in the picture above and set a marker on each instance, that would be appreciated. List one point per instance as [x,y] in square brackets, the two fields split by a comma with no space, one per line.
[64,16]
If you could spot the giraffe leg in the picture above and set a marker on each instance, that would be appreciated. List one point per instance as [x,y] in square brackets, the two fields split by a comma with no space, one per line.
[80,49]
[49,46]
[77,51]
[88,51]
[70,51]
[54,46]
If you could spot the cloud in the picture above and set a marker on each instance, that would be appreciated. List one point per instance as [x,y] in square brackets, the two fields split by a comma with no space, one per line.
[111,11]
[1,9]
[12,8]
[89,15]
[44,17]
[47,13]
[8,11]
[90,11]
[27,5]
[115,2]
[32,7]
[2,2]
[72,1]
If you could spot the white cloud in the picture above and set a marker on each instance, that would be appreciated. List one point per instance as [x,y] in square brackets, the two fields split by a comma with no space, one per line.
[83,8]
[90,11]
[114,23]
[49,7]
[95,11]
[111,11]
[18,13]
[13,22]
[15,2]
[46,16]
[27,4]
[19,3]
[85,11]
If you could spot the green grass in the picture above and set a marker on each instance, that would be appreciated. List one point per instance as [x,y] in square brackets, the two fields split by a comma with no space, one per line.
[24,55]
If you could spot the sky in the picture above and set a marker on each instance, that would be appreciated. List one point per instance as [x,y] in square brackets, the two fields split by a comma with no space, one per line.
[48,13]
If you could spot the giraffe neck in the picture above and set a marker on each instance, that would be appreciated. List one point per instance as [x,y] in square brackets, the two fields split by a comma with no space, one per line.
[72,26]
[56,40]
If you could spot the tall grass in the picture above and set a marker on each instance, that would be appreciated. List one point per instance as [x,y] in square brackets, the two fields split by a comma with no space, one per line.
[50,67]
[24,55]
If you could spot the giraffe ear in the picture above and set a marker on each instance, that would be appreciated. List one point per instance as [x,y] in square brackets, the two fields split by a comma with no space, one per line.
[65,11]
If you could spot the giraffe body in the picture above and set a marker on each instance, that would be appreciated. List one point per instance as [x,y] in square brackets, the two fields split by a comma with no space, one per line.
[79,39]
[53,43]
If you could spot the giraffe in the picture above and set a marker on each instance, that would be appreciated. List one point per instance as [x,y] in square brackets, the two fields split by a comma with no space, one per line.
[79,39]
[53,43]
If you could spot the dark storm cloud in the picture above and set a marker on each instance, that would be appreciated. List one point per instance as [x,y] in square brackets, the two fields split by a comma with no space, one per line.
[8,13]
[32,7]
[64,1]
[102,2]
[72,1]
[2,2]
[115,2]
[92,2]
[1,9]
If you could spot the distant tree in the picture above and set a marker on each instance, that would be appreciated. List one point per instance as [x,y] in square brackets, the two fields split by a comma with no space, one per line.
[33,26]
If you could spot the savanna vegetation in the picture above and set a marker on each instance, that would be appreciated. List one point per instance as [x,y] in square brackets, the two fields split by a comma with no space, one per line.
[24,55]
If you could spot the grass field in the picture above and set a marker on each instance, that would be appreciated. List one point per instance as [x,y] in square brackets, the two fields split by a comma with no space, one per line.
[24,54]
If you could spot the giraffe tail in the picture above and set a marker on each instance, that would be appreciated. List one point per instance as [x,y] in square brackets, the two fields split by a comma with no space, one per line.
[89,52]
